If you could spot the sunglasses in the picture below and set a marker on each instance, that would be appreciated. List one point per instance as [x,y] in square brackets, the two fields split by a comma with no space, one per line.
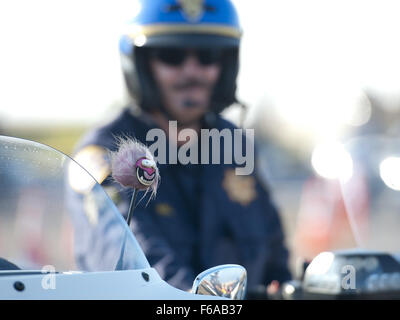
[176,56]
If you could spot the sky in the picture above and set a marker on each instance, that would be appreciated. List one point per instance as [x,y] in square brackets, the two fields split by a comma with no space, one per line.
[59,60]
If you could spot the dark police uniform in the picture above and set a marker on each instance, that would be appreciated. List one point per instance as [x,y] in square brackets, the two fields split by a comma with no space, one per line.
[202,216]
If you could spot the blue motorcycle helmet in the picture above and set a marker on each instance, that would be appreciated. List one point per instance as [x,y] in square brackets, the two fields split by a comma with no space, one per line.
[180,24]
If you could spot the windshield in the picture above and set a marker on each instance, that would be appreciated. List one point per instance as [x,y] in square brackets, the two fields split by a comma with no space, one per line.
[54,214]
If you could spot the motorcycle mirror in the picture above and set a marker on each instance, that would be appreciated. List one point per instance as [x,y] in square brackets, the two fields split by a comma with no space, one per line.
[229,281]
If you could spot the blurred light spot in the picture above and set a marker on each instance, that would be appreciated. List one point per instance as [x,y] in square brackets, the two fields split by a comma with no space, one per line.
[321,264]
[389,170]
[289,289]
[360,113]
[79,180]
[140,40]
[330,160]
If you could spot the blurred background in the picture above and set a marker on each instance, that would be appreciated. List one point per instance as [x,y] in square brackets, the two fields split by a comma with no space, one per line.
[314,74]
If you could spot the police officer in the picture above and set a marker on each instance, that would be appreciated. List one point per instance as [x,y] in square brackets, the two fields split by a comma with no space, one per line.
[180,62]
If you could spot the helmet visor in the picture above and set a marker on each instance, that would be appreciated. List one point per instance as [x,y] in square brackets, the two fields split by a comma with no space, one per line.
[190,41]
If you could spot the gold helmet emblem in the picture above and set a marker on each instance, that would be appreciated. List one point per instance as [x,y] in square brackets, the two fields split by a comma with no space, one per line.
[192,8]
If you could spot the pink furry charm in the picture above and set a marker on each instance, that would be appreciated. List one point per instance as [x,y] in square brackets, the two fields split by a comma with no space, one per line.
[133,165]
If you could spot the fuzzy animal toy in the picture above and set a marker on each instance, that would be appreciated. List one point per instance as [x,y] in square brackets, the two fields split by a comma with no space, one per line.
[133,166]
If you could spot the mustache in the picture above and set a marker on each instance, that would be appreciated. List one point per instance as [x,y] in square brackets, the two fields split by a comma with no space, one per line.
[191,83]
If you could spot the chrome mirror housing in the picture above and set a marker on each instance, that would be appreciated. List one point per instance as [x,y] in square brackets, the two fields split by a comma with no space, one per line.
[228,280]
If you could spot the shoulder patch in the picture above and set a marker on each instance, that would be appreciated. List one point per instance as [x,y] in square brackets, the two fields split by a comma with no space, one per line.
[241,189]
[95,160]
[164,209]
